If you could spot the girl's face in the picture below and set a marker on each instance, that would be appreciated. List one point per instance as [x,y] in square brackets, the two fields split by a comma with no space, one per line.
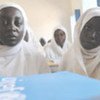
[90,35]
[60,37]
[11,26]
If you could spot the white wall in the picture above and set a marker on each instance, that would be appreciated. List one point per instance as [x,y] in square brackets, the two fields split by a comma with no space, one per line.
[86,4]
[75,4]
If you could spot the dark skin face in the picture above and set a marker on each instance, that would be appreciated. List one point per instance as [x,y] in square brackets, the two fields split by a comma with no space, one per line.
[90,35]
[60,37]
[11,26]
[42,41]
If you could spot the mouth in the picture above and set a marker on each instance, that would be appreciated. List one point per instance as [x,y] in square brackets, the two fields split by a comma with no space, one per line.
[11,38]
[91,41]
[11,35]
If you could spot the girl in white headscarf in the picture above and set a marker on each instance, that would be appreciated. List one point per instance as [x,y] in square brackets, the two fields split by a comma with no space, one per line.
[84,55]
[53,50]
[21,58]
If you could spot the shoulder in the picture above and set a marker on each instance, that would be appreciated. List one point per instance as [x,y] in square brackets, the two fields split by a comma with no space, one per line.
[29,50]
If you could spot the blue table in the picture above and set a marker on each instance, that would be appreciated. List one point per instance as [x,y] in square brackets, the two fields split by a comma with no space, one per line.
[52,86]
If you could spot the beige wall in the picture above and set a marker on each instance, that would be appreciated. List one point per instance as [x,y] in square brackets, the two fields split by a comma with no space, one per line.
[87,5]
[76,4]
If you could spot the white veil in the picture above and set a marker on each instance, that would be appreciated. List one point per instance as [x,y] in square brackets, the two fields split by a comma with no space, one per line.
[77,59]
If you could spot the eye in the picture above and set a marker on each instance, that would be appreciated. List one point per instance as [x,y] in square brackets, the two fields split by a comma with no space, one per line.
[5,22]
[18,22]
[87,28]
[94,34]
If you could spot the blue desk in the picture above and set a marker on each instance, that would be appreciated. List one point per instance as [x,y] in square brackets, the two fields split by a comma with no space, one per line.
[55,86]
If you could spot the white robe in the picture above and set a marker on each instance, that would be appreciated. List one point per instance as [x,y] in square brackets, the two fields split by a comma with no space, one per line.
[15,61]
[54,52]
[78,59]
[22,59]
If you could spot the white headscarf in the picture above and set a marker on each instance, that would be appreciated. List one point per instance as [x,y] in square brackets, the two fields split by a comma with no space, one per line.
[53,51]
[21,59]
[78,59]
[5,50]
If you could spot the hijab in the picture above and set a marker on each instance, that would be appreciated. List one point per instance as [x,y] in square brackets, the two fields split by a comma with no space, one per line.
[53,51]
[22,59]
[78,59]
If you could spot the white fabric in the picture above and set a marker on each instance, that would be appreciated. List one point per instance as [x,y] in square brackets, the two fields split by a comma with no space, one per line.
[21,59]
[79,60]
[31,38]
[53,51]
[33,42]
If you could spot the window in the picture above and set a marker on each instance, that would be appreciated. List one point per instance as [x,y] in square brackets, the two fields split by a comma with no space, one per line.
[77,14]
[98,3]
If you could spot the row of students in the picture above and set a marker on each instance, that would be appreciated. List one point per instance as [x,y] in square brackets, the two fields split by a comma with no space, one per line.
[19,57]
[83,57]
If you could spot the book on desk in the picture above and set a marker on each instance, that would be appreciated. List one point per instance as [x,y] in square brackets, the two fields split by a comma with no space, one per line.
[52,86]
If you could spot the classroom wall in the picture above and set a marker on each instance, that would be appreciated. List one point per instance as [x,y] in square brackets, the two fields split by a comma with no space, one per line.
[90,4]
[76,4]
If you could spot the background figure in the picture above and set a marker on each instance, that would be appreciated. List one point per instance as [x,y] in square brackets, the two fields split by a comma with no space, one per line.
[42,41]
[84,56]
[56,48]
[17,57]
[30,38]
[49,41]
[26,38]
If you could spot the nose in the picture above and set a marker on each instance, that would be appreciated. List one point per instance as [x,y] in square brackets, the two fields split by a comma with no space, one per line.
[97,37]
[94,35]
[11,25]
[12,29]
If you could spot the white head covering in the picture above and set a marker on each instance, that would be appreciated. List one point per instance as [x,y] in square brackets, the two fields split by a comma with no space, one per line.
[53,51]
[6,50]
[78,59]
[21,59]
[32,40]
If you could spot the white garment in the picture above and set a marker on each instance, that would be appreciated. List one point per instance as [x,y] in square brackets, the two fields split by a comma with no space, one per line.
[53,51]
[22,59]
[78,59]
[32,42]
